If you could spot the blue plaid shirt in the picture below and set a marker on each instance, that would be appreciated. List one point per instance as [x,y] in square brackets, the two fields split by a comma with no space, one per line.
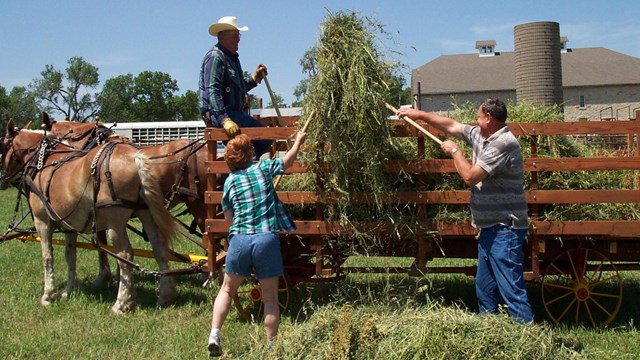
[256,207]
[221,86]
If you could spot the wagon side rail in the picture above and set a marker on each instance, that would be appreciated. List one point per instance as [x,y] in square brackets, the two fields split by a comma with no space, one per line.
[456,238]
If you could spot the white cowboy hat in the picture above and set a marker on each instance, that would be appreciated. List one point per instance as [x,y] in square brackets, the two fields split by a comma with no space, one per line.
[226,23]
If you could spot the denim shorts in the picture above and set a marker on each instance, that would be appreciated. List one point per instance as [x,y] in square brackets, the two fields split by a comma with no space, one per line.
[254,253]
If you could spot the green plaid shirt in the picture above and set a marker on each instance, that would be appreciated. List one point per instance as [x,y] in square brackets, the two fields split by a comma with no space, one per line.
[256,207]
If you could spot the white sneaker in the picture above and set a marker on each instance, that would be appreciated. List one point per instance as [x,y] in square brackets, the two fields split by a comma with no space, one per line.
[214,346]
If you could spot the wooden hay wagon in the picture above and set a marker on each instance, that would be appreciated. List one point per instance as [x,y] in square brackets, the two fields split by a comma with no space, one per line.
[577,261]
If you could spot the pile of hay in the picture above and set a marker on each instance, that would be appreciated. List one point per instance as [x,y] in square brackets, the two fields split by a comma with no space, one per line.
[350,133]
[433,332]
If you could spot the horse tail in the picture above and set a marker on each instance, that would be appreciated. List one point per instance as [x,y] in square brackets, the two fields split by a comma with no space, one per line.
[154,198]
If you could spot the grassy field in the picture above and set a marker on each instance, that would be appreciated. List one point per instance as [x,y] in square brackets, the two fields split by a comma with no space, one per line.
[359,317]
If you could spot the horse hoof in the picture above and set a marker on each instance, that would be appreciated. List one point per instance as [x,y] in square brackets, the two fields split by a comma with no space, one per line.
[168,293]
[45,301]
[116,311]
[120,309]
[163,303]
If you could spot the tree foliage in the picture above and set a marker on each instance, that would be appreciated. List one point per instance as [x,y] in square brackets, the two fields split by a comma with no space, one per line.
[279,101]
[4,100]
[20,105]
[153,97]
[149,96]
[69,93]
[186,106]
[309,67]
[116,99]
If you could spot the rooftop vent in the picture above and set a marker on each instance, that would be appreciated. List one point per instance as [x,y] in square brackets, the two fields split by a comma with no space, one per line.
[486,47]
[563,44]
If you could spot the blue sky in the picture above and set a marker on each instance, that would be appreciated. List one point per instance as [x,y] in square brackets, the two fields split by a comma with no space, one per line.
[121,37]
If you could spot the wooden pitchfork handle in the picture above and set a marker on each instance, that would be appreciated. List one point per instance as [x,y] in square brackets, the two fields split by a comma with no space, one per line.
[276,181]
[306,124]
[275,106]
[415,124]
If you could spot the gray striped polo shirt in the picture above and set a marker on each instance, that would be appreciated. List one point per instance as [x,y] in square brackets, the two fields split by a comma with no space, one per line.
[500,197]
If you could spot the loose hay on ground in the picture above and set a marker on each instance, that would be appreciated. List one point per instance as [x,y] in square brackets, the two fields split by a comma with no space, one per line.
[432,332]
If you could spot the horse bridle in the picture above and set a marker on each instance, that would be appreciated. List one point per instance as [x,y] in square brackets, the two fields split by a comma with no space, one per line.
[5,147]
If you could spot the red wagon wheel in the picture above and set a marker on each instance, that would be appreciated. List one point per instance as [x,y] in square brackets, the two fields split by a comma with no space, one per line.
[249,302]
[582,286]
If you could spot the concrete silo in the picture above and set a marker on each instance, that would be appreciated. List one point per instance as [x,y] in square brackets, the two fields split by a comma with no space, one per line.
[538,66]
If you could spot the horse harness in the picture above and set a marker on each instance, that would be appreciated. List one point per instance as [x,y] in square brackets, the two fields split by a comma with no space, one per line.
[176,188]
[102,157]
[46,147]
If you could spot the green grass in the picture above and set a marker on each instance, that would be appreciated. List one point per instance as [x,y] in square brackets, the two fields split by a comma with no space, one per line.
[363,316]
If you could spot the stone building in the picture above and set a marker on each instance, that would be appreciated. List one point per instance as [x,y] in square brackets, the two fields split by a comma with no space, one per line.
[597,83]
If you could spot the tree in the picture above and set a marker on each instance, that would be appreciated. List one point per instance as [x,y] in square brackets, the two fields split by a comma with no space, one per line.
[69,93]
[20,105]
[279,101]
[254,102]
[308,63]
[23,106]
[397,94]
[153,97]
[147,97]
[4,102]
[116,99]
[186,106]
[4,106]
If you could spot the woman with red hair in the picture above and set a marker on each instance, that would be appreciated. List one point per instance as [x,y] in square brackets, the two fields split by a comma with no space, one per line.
[256,215]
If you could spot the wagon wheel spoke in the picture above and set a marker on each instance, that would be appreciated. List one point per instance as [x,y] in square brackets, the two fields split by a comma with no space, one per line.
[558,298]
[566,310]
[574,271]
[591,320]
[558,286]
[585,261]
[582,286]
[248,299]
[604,281]
[612,296]
[599,306]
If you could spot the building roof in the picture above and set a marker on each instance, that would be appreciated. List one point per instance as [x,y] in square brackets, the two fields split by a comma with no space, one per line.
[481,43]
[472,73]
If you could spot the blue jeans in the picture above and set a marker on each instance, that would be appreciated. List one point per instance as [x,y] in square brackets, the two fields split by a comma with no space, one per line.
[500,272]
[246,120]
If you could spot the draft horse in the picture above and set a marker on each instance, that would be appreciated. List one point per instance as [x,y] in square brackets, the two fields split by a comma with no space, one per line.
[85,192]
[179,166]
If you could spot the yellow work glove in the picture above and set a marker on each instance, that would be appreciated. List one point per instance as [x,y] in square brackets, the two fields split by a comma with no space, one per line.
[230,128]
[260,73]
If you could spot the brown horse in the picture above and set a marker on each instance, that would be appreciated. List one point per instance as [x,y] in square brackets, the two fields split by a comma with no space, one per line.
[75,192]
[179,167]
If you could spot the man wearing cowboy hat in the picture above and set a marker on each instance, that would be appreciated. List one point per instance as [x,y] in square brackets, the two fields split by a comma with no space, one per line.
[222,89]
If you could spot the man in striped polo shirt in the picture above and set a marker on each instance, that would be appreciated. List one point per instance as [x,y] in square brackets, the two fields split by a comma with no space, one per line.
[222,90]
[498,203]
